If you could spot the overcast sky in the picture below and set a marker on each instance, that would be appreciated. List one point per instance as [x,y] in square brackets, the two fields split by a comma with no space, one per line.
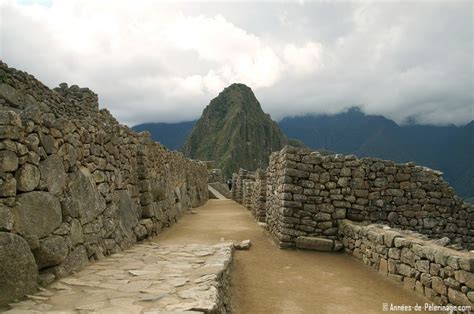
[164,62]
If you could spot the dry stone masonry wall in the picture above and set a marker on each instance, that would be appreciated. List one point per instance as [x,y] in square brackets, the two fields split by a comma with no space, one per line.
[248,188]
[259,196]
[238,184]
[309,195]
[442,275]
[76,185]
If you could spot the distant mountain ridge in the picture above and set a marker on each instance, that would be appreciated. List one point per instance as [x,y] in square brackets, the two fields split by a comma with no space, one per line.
[171,135]
[446,148]
[234,132]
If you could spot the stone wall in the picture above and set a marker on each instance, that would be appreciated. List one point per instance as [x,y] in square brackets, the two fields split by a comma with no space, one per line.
[259,196]
[440,274]
[238,184]
[215,175]
[309,194]
[75,184]
[248,187]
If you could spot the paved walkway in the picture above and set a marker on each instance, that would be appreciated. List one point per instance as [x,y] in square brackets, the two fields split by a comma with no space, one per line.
[147,278]
[269,280]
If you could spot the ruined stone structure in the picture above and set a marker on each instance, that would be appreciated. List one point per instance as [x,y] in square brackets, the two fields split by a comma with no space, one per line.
[238,184]
[313,201]
[248,188]
[441,274]
[76,185]
[259,196]
[309,195]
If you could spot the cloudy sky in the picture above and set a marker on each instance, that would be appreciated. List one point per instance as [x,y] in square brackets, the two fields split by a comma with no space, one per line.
[164,61]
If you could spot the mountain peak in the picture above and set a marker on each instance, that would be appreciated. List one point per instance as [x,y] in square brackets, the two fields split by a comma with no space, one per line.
[234,132]
[238,86]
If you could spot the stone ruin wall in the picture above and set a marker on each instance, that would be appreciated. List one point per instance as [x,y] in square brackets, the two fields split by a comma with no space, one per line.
[238,180]
[259,196]
[75,185]
[248,188]
[440,274]
[253,188]
[309,194]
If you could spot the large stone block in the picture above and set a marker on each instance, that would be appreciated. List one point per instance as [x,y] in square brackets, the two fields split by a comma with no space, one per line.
[438,285]
[83,199]
[27,178]
[51,251]
[7,186]
[313,243]
[8,161]
[75,260]
[127,211]
[18,271]
[458,298]
[36,213]
[53,175]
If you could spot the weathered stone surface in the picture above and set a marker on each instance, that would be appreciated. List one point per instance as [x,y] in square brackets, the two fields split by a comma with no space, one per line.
[438,285]
[8,161]
[7,186]
[313,243]
[18,271]
[83,200]
[75,260]
[53,175]
[37,213]
[51,251]
[49,143]
[457,297]
[127,211]
[76,233]
[148,277]
[244,245]
[467,263]
[10,94]
[27,178]
[6,218]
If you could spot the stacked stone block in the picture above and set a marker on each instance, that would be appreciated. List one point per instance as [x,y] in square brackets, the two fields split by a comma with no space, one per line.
[75,184]
[238,184]
[259,196]
[308,194]
[442,275]
[248,188]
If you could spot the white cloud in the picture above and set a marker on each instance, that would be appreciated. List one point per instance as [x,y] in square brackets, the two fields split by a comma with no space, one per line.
[305,59]
[167,60]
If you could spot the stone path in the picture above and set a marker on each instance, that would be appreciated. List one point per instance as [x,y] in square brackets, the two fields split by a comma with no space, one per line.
[216,193]
[148,278]
[266,279]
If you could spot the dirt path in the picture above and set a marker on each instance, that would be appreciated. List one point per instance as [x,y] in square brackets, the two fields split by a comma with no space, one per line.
[269,280]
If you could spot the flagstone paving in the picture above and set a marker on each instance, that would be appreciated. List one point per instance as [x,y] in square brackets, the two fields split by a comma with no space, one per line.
[147,278]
